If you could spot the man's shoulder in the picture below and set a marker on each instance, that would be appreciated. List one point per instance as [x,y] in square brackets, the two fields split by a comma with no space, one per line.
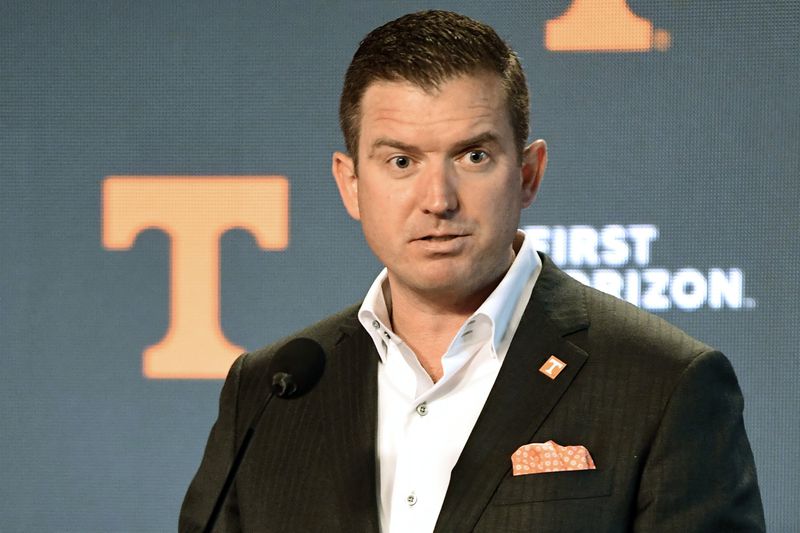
[618,330]
[632,350]
[624,324]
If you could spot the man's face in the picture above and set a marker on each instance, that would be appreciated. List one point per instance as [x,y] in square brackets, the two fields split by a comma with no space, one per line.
[439,185]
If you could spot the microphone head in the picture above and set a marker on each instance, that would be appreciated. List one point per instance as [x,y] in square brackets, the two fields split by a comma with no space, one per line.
[296,367]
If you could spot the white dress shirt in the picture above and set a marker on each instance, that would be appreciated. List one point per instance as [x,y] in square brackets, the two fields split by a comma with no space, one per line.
[423,426]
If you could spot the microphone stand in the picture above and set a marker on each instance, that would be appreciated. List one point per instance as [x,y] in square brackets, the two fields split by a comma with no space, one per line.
[281,385]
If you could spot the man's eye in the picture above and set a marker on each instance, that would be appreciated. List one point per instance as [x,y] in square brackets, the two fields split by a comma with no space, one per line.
[476,156]
[401,161]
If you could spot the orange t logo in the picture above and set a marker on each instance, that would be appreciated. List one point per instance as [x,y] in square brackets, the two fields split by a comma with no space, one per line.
[602,26]
[194,212]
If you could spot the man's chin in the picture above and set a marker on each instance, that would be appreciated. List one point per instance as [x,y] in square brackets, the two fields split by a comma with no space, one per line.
[444,286]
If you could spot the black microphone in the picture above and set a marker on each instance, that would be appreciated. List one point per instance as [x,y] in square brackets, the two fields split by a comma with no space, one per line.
[294,370]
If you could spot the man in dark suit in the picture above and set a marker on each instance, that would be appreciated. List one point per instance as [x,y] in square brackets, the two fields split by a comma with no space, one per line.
[477,387]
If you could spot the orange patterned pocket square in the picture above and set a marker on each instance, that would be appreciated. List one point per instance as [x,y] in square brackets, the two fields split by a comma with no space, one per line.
[540,457]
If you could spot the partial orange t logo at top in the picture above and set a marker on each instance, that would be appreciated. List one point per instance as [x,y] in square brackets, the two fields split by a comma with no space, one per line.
[194,211]
[603,26]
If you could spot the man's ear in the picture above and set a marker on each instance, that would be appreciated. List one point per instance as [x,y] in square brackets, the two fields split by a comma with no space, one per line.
[534,163]
[344,171]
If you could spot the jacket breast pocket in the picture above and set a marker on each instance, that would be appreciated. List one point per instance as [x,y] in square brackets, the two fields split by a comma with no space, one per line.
[549,486]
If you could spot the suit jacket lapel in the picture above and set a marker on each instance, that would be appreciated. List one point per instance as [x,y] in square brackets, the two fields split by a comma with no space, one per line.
[521,398]
[355,398]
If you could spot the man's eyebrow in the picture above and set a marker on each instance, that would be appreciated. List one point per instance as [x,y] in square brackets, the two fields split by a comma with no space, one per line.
[381,142]
[487,137]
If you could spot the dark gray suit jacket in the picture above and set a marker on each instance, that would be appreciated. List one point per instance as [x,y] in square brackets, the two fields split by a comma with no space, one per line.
[660,413]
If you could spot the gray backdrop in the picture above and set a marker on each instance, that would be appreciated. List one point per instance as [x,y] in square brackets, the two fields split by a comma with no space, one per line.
[697,142]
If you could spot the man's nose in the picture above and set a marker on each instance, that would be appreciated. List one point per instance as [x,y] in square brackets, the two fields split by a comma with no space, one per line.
[438,192]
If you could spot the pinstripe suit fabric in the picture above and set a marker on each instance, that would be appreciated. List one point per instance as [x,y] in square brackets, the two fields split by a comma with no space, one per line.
[660,412]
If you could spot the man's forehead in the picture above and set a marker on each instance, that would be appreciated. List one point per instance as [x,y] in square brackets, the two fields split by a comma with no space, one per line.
[472,104]
[431,86]
[462,94]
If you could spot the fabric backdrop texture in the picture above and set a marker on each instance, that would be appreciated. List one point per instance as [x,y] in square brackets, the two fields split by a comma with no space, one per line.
[166,202]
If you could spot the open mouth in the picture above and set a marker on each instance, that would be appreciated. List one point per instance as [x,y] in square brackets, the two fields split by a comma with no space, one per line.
[440,238]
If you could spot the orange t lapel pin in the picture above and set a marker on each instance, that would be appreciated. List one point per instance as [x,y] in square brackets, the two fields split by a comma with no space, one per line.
[553,367]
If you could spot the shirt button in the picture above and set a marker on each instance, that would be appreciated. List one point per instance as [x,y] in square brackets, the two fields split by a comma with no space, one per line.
[376,324]
[422,409]
[411,499]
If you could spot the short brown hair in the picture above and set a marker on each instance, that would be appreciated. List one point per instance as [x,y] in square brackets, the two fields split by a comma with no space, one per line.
[428,48]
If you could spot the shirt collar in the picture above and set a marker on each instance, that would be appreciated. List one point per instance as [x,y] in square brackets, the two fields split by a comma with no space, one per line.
[495,312]
[500,304]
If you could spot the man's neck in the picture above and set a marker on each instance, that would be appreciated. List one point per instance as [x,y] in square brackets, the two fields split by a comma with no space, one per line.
[427,323]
